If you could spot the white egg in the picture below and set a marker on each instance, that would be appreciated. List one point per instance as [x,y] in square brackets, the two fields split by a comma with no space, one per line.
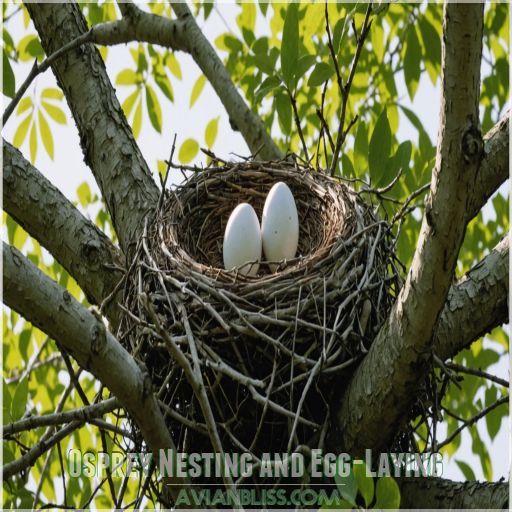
[242,240]
[279,225]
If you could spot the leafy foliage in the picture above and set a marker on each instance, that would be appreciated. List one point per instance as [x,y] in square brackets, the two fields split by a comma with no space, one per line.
[288,60]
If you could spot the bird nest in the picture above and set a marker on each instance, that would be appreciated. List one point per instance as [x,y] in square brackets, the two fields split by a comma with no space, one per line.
[252,363]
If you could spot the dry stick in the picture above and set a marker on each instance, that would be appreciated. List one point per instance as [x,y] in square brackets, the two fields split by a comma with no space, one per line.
[37,69]
[193,375]
[83,413]
[478,373]
[474,419]
[297,122]
[346,90]
[29,458]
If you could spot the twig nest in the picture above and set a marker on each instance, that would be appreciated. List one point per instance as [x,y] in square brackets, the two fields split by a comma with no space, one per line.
[271,348]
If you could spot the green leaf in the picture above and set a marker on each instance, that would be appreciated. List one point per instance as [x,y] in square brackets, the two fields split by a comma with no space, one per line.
[174,66]
[52,93]
[387,492]
[19,399]
[347,169]
[284,113]
[6,404]
[28,48]
[466,469]
[290,45]
[268,85]
[493,418]
[46,135]
[347,486]
[137,120]
[412,61]
[129,102]
[188,151]
[126,77]
[165,86]
[361,149]
[23,105]
[364,483]
[399,162]
[55,112]
[33,143]
[9,82]
[197,89]
[305,62]
[84,194]
[380,146]
[154,110]
[321,73]
[24,340]
[210,134]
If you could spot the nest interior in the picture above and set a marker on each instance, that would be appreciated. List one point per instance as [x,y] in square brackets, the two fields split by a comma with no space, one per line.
[259,357]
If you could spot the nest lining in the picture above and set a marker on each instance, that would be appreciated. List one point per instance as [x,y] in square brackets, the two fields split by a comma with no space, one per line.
[272,350]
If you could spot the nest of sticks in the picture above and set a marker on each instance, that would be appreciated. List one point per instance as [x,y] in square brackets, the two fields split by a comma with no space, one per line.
[251,364]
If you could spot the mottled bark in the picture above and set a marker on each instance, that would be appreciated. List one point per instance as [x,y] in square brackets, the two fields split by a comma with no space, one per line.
[476,303]
[52,309]
[494,168]
[74,241]
[383,387]
[106,138]
[440,493]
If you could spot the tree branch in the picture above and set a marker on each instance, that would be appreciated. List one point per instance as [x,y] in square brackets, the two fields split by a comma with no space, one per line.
[185,35]
[494,169]
[476,303]
[83,414]
[50,308]
[383,387]
[43,211]
[106,138]
[438,493]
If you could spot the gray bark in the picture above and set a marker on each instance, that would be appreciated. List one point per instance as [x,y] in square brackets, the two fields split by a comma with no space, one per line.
[382,388]
[52,309]
[74,241]
[438,493]
[476,303]
[494,168]
[106,138]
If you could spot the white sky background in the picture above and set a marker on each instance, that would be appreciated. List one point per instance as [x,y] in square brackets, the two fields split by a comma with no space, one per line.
[68,170]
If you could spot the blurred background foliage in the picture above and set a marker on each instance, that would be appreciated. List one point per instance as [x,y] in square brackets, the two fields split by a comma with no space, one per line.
[403,46]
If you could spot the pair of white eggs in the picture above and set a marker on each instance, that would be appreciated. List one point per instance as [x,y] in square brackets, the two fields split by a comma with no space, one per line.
[278,235]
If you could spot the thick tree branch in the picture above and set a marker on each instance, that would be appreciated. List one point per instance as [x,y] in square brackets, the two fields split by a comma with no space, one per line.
[476,304]
[438,493]
[44,303]
[106,138]
[383,387]
[43,211]
[493,170]
[184,34]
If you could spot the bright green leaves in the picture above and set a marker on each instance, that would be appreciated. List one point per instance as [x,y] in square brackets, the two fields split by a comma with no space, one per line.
[347,486]
[30,48]
[321,73]
[197,89]
[188,151]
[284,112]
[154,110]
[36,120]
[127,77]
[364,482]
[210,133]
[19,400]
[84,194]
[290,45]
[412,61]
[9,83]
[380,147]
[46,135]
[387,493]
[149,64]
